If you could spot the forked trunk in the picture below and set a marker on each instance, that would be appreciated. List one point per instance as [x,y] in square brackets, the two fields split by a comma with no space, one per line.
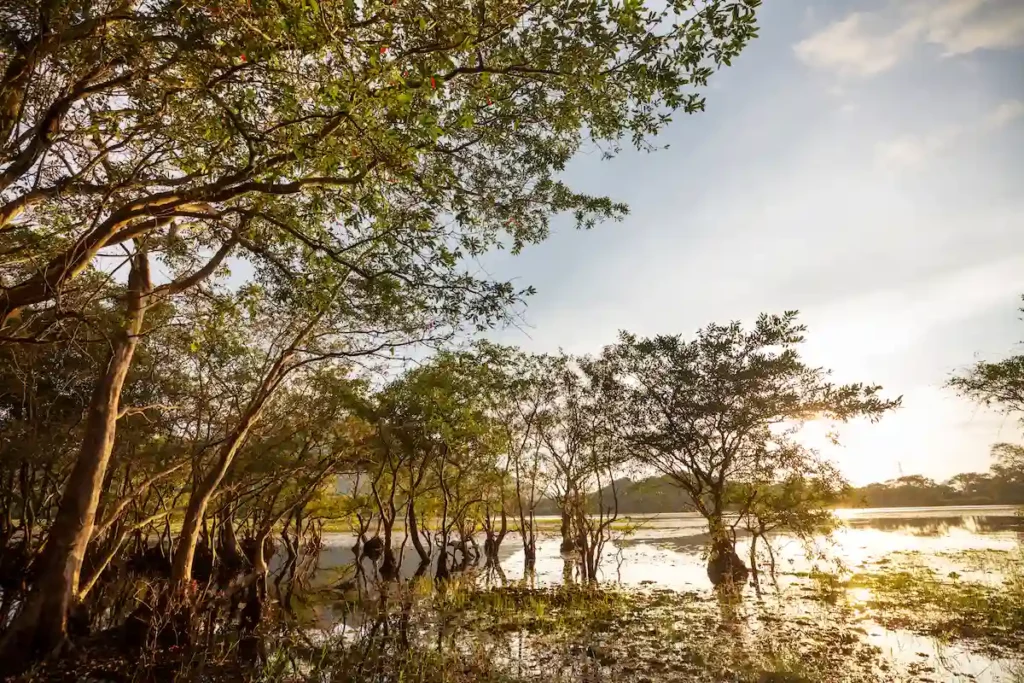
[492,542]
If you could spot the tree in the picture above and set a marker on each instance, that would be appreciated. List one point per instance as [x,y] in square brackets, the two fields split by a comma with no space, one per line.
[999,385]
[793,495]
[1009,466]
[436,421]
[375,145]
[566,427]
[243,123]
[720,410]
[43,617]
[314,434]
[518,391]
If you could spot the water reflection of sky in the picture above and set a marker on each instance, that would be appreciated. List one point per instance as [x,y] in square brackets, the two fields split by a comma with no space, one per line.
[665,551]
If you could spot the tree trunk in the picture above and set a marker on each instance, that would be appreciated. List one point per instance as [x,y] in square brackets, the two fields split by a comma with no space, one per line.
[228,538]
[389,567]
[414,533]
[753,563]
[492,543]
[529,545]
[724,565]
[567,541]
[184,553]
[442,573]
[568,569]
[41,626]
[261,567]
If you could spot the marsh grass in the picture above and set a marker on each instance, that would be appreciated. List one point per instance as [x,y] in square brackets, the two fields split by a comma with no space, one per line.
[598,634]
[988,616]
[458,632]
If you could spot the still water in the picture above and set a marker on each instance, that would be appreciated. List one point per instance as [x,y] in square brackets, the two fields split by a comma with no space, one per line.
[665,551]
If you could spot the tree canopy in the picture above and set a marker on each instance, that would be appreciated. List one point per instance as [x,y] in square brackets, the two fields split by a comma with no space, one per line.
[724,407]
[383,140]
[345,160]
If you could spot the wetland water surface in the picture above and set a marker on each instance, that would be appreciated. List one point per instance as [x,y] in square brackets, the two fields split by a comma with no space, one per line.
[867,604]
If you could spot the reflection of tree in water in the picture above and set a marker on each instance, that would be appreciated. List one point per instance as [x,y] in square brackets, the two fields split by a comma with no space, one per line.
[940,526]
[912,526]
[730,602]
[493,574]
[568,570]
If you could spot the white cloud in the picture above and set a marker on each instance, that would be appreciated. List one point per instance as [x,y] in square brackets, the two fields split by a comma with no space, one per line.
[963,26]
[855,46]
[914,150]
[1005,114]
[892,321]
[868,43]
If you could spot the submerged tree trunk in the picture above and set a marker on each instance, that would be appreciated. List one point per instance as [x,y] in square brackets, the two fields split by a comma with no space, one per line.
[389,565]
[724,566]
[41,625]
[568,544]
[443,571]
[753,563]
[493,541]
[568,571]
[529,546]
[414,532]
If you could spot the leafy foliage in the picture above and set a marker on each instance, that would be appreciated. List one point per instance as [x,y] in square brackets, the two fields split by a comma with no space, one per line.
[381,142]
[718,414]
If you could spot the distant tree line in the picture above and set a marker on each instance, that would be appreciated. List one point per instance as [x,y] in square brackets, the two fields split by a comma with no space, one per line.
[1003,484]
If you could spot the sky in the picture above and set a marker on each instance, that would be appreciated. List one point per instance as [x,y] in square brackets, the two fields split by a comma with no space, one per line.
[862,162]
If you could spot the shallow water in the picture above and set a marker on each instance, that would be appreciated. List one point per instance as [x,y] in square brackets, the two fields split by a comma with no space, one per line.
[665,551]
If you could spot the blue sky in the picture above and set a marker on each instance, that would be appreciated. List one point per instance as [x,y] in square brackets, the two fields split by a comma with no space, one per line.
[862,162]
